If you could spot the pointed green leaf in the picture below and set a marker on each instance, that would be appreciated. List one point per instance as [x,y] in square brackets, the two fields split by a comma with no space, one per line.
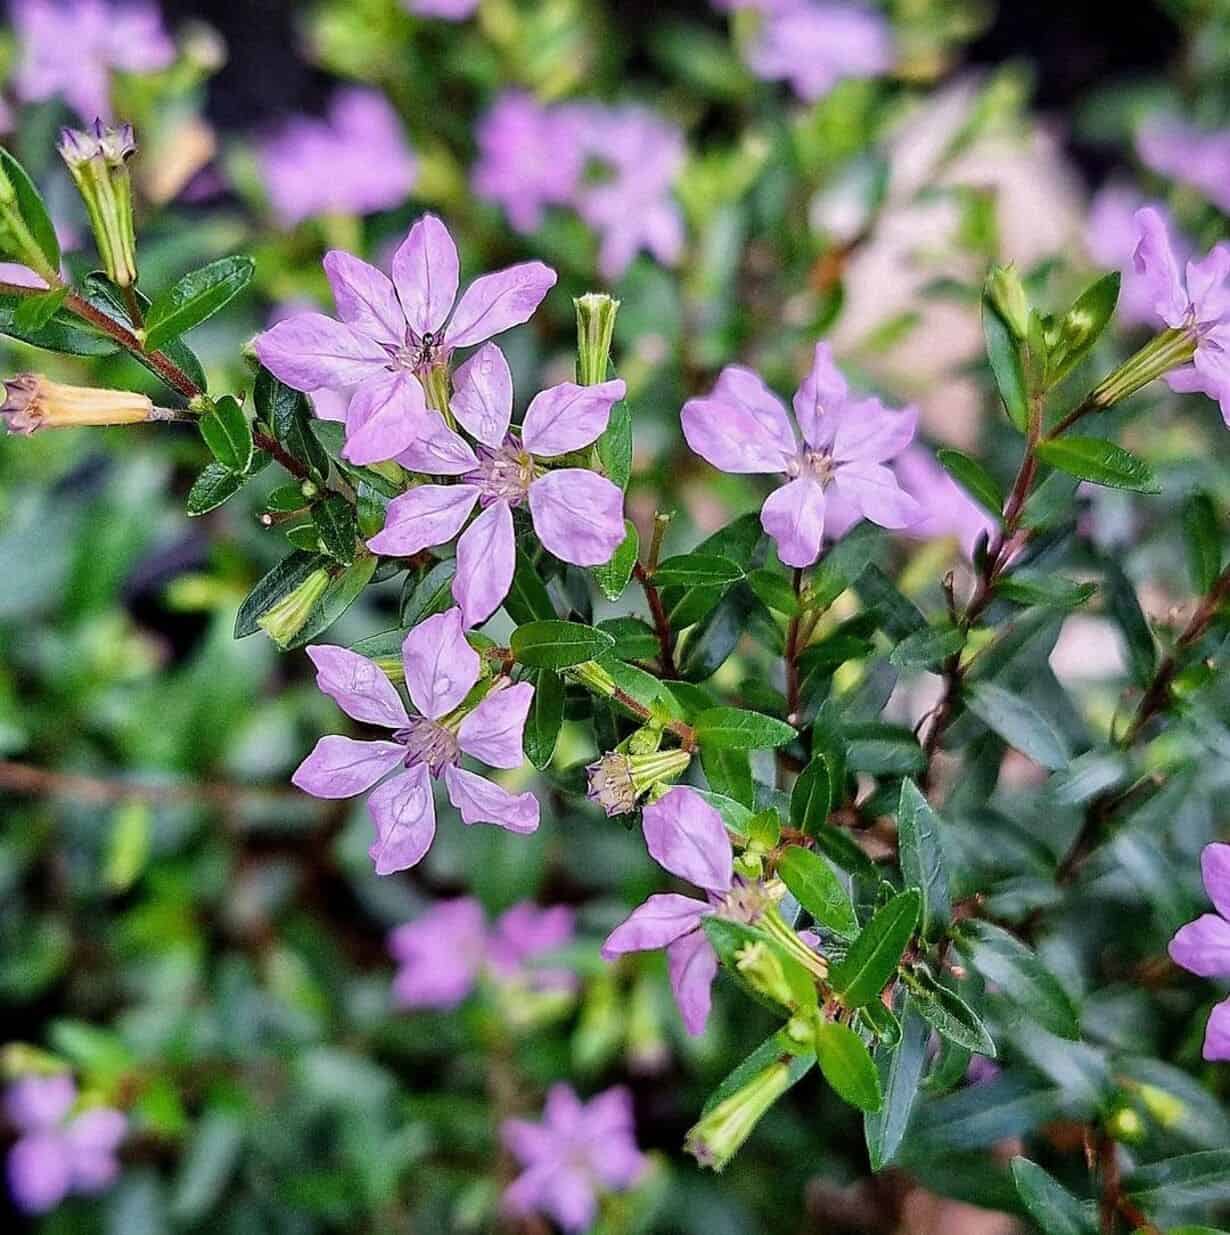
[1020,724]
[973,478]
[922,856]
[557,645]
[546,715]
[873,957]
[816,887]
[900,1073]
[1099,461]
[613,576]
[1050,1204]
[228,434]
[195,297]
[737,729]
[847,1066]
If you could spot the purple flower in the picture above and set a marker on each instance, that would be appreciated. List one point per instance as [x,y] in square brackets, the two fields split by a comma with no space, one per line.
[743,427]
[1203,946]
[947,509]
[55,1155]
[393,331]
[814,46]
[577,514]
[1198,303]
[447,10]
[578,1150]
[69,47]
[1189,155]
[525,932]
[528,158]
[441,671]
[1111,236]
[357,161]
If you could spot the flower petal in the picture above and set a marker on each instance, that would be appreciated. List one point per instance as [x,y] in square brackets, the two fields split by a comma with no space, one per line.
[386,414]
[1206,285]
[483,395]
[493,732]
[481,801]
[686,836]
[441,667]
[1155,262]
[310,350]
[662,919]
[357,686]
[794,516]
[340,767]
[438,451]
[36,1103]
[578,515]
[405,818]
[741,426]
[1217,1034]
[692,964]
[1215,870]
[875,490]
[365,298]
[865,430]
[425,275]
[421,517]
[496,302]
[39,1172]
[567,417]
[1203,947]
[823,392]
[486,558]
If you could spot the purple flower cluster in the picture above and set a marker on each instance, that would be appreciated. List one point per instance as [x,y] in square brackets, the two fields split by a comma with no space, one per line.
[1190,155]
[1203,946]
[355,161]
[54,1154]
[442,954]
[442,670]
[578,1150]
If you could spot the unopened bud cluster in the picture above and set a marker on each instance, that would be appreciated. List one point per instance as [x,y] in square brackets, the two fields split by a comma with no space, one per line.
[97,160]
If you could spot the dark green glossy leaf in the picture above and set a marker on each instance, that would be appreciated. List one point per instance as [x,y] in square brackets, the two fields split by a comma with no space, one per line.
[1019,723]
[900,1074]
[737,729]
[1202,540]
[554,644]
[811,799]
[1004,353]
[546,715]
[973,478]
[195,297]
[612,577]
[1050,1204]
[922,856]
[1099,461]
[928,647]
[337,527]
[211,488]
[691,570]
[873,957]
[847,1066]
[228,434]
[815,886]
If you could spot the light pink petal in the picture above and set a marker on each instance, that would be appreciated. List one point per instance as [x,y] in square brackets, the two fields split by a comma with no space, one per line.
[365,298]
[405,818]
[571,1200]
[1154,261]
[438,451]
[1206,284]
[486,558]
[823,392]
[875,490]
[567,417]
[526,1141]
[662,919]
[441,667]
[39,1171]
[734,435]
[483,395]
[1217,1034]
[1203,946]
[746,389]
[310,350]
[36,1103]
[493,732]
[578,515]
[692,964]
[357,686]
[421,517]
[496,302]
[794,516]
[386,414]
[425,275]
[340,767]
[481,801]
[1215,870]
[686,836]
[867,431]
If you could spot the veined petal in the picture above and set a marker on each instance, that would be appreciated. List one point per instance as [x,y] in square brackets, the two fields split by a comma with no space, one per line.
[496,302]
[1207,287]
[486,558]
[365,298]
[1215,870]
[875,490]
[567,417]
[1203,947]
[686,836]
[692,964]
[340,767]
[424,516]
[578,515]
[663,918]
[481,801]
[405,818]
[310,351]
[1217,1034]
[866,431]
[386,414]
[483,395]
[438,451]
[357,686]
[821,395]
[794,516]
[441,667]
[746,389]
[493,732]
[731,438]
[1155,262]
[425,275]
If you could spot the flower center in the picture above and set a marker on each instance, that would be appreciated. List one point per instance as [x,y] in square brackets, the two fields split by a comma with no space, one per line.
[504,473]
[816,464]
[428,741]
[417,355]
[745,902]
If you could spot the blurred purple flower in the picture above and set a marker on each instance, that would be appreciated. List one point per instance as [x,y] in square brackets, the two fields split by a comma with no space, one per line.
[393,331]
[1111,237]
[1203,946]
[447,10]
[947,509]
[1197,301]
[742,427]
[69,48]
[528,158]
[357,161]
[1190,155]
[55,1155]
[577,514]
[441,670]
[579,1150]
[814,46]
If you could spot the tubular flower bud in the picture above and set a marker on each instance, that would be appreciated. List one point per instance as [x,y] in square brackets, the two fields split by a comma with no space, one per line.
[618,781]
[35,402]
[595,330]
[97,160]
[714,1140]
[1007,294]
[762,969]
[287,618]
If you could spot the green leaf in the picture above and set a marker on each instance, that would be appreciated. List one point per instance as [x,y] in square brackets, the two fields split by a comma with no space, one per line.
[843,565]
[557,645]
[228,434]
[34,312]
[280,581]
[1099,461]
[195,297]
[613,576]
[1020,975]
[1083,324]
[816,887]
[811,799]
[900,1073]
[873,957]
[921,855]
[212,487]
[736,729]
[341,593]
[1202,540]
[428,593]
[773,1048]
[337,527]
[843,850]
[1007,366]
[924,648]
[1050,1204]
[1020,724]
[949,1015]
[973,478]
[847,1066]
[527,599]
[883,750]
[897,615]
[614,447]
[775,590]
[210,1158]
[33,210]
[289,415]
[1123,605]
[104,295]
[697,570]
[1194,1179]
[546,715]
[1033,587]
[729,772]
[62,333]
[634,639]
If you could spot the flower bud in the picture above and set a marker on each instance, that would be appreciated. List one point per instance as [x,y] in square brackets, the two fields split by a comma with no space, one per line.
[592,676]
[283,621]
[617,781]
[761,968]
[595,329]
[35,402]
[97,160]
[1007,294]
[716,1137]
[1125,1124]
[1168,350]
[1168,1110]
